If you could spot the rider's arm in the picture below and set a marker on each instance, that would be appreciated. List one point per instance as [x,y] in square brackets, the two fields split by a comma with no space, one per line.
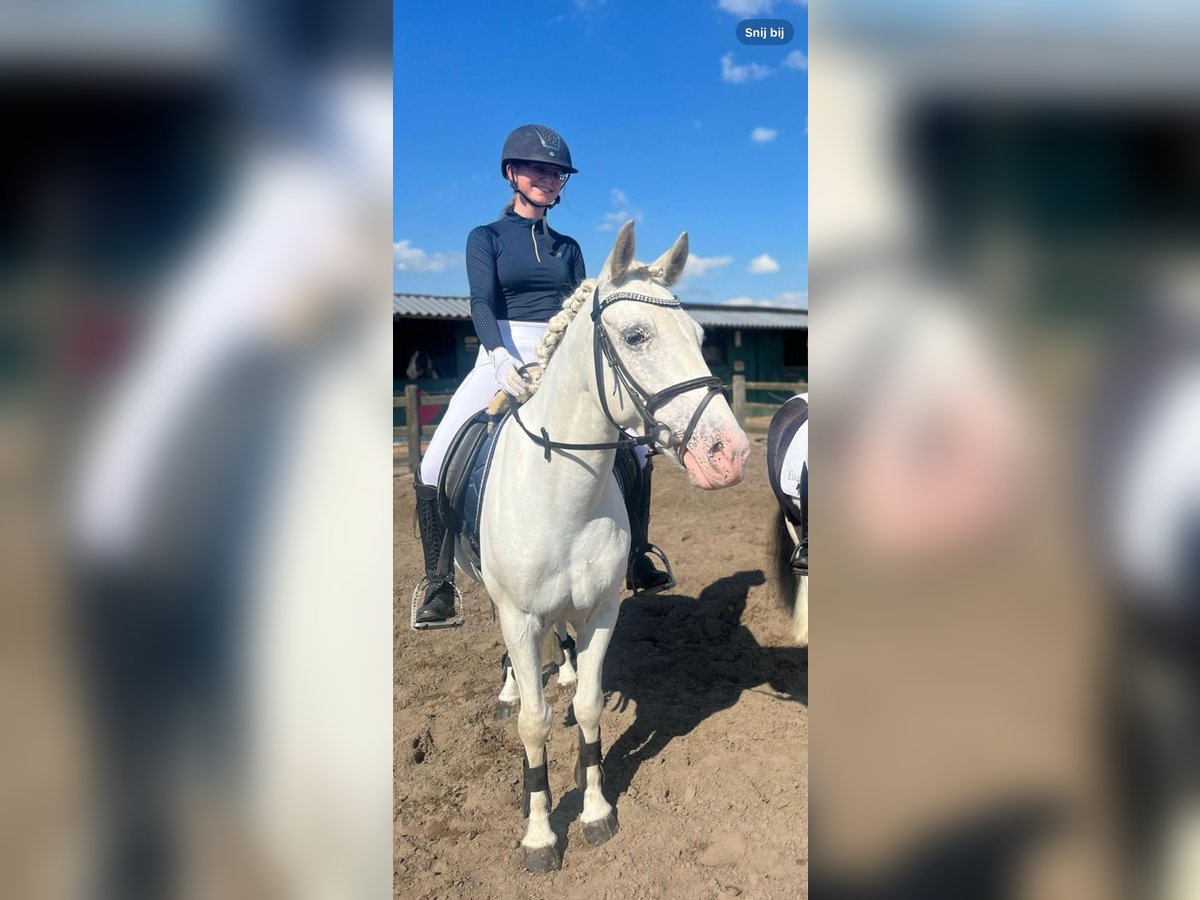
[485,287]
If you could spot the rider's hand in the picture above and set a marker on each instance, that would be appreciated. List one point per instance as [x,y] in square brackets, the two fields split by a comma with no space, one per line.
[508,373]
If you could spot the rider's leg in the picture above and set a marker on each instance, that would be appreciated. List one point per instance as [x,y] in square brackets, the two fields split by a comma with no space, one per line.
[472,395]
[643,574]
[439,595]
[800,560]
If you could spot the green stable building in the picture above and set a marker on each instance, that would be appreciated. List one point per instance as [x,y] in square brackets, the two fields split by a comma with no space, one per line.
[434,345]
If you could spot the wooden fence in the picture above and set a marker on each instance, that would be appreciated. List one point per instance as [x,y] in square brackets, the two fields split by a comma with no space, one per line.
[412,401]
[741,386]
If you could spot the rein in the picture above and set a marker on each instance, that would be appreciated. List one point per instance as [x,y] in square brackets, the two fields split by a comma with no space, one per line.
[656,432]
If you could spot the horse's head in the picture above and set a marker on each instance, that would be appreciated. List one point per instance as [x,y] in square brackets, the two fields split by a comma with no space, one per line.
[653,350]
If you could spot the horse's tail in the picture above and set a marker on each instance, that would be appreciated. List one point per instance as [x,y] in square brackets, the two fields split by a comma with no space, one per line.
[790,589]
[551,653]
[782,578]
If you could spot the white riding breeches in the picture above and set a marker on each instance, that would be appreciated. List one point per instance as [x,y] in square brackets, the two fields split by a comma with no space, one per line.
[478,388]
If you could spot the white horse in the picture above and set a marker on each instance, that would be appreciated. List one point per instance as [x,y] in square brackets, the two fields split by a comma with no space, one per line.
[554,535]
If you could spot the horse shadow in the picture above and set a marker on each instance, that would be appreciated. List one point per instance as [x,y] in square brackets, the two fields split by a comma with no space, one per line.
[680,660]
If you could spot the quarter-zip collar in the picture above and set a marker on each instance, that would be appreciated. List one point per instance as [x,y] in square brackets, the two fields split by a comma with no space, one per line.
[518,219]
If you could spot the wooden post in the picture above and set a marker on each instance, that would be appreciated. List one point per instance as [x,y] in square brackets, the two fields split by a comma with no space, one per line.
[412,418]
[739,399]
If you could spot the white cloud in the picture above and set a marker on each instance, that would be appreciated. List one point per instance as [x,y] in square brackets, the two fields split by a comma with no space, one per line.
[745,8]
[622,214]
[739,301]
[741,74]
[763,265]
[407,258]
[796,60]
[699,266]
[793,299]
[618,218]
[762,135]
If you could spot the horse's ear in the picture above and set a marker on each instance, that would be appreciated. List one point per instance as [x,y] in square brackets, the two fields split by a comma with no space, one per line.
[621,258]
[673,261]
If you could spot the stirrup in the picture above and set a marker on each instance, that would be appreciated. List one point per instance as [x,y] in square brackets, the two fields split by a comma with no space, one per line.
[654,550]
[417,594]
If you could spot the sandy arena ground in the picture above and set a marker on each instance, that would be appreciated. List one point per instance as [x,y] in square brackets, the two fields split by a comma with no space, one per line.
[705,729]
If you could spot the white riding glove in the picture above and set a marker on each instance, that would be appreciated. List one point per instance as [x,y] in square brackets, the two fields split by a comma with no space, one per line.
[508,374]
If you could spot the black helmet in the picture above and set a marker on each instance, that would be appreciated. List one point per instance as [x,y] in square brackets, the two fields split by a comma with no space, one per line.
[536,143]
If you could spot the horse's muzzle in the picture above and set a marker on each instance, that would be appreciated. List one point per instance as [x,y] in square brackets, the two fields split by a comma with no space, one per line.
[716,459]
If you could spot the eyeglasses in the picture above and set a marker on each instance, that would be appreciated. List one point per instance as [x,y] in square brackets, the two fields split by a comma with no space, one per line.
[544,171]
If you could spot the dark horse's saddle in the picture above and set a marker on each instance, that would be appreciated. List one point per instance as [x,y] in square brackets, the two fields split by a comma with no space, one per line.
[784,425]
[464,476]
[463,479]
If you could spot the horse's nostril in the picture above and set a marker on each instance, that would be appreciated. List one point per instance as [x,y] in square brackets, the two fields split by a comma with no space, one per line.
[717,448]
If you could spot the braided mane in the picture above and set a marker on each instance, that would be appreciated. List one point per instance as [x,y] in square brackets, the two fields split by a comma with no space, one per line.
[558,327]
[571,306]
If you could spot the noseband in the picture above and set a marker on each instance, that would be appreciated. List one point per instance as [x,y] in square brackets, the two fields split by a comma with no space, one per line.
[656,432]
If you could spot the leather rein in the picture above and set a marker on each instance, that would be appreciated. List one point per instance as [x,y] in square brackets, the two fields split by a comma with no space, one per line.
[656,432]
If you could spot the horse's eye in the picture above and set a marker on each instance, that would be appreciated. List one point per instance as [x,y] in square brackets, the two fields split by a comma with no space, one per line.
[635,337]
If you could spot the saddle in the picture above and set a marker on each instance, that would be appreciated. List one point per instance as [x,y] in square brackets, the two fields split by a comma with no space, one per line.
[784,425]
[463,478]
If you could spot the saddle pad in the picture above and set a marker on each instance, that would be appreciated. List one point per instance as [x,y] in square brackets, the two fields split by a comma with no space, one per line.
[472,505]
[784,425]
[456,469]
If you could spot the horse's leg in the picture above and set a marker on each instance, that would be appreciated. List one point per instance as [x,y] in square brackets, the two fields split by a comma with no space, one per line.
[510,694]
[598,819]
[523,637]
[800,612]
[566,671]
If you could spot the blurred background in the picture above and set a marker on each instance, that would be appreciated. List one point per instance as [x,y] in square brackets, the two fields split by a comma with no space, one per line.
[193,442]
[1004,279]
[194,422]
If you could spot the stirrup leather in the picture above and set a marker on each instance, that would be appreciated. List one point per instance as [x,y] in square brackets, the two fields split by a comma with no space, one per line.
[653,550]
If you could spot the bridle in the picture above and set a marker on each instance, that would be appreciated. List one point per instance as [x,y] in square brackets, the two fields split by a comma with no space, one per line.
[655,431]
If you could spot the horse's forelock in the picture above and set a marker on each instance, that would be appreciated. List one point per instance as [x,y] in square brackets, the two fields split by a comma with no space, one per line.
[645,272]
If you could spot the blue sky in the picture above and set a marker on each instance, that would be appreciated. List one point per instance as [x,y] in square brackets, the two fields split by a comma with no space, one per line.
[670,119]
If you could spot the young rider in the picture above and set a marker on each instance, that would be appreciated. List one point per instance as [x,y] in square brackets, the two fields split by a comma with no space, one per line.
[519,270]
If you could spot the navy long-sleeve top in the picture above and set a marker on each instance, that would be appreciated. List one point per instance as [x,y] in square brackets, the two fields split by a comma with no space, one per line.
[519,269]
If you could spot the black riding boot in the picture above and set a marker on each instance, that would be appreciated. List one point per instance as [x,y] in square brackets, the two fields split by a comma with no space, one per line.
[643,576]
[799,561]
[439,595]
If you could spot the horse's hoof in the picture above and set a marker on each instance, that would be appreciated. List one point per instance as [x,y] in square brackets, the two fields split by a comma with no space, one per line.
[541,860]
[504,710]
[596,833]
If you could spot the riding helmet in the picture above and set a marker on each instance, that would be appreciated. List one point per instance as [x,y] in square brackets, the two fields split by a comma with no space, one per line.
[536,143]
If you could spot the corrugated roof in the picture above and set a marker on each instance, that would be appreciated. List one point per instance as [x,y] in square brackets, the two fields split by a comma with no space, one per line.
[748,317]
[420,306]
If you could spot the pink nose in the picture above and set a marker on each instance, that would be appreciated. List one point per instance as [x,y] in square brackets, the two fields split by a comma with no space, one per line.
[724,455]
